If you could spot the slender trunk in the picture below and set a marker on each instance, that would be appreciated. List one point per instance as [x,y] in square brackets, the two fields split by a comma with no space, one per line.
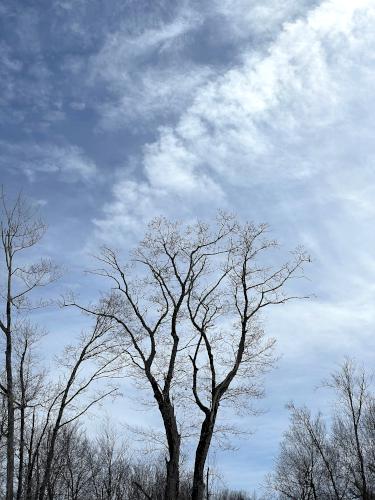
[57,426]
[207,484]
[363,487]
[10,419]
[109,489]
[205,438]
[313,489]
[10,394]
[172,485]
[30,459]
[38,474]
[21,455]
[50,454]
[22,425]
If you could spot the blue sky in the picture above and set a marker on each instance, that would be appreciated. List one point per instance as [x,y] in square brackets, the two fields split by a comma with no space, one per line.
[113,112]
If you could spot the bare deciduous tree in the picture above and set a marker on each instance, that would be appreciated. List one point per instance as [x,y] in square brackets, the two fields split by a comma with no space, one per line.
[224,302]
[20,230]
[337,464]
[94,359]
[149,313]
[189,293]
[29,388]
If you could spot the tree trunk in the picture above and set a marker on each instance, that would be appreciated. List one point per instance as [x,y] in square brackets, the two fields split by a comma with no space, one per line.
[50,456]
[201,455]
[21,454]
[172,485]
[22,425]
[10,395]
[10,419]
[30,459]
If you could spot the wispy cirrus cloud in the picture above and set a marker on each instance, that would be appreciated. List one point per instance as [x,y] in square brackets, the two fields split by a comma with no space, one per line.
[278,117]
[141,91]
[154,74]
[256,21]
[68,162]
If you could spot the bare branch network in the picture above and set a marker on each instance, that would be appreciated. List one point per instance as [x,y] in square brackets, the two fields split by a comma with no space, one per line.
[182,318]
[187,308]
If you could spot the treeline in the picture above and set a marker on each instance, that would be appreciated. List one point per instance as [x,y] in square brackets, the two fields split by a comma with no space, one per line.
[100,468]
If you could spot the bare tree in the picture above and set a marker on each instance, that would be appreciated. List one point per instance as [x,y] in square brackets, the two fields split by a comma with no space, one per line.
[29,388]
[224,302]
[301,467]
[171,304]
[75,471]
[335,463]
[113,473]
[148,310]
[20,230]
[94,359]
[3,421]
[350,431]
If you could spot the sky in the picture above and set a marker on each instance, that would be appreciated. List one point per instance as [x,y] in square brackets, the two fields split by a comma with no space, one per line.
[114,112]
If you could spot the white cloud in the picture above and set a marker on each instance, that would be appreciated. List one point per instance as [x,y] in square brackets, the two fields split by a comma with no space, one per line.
[150,74]
[141,90]
[150,94]
[250,123]
[69,162]
[136,203]
[169,164]
[248,18]
[77,105]
[289,116]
